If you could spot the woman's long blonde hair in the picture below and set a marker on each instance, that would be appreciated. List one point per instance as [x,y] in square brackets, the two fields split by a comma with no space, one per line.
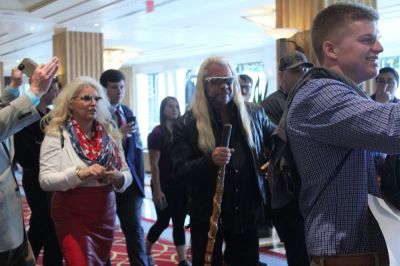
[201,108]
[61,112]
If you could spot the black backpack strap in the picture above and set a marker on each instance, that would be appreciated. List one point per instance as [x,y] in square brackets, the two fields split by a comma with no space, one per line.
[319,73]
[61,137]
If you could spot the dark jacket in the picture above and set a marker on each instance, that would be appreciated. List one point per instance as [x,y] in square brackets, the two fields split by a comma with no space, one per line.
[195,168]
[134,157]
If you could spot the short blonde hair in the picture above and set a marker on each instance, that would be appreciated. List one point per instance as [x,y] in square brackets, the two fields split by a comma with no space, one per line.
[61,112]
[335,18]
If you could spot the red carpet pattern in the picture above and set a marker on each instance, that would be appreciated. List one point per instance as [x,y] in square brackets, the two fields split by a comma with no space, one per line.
[163,251]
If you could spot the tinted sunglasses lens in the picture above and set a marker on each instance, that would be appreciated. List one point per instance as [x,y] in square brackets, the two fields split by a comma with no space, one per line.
[220,81]
[216,81]
[86,98]
[89,98]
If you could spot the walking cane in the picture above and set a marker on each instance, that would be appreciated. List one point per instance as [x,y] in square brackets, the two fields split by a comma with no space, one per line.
[217,199]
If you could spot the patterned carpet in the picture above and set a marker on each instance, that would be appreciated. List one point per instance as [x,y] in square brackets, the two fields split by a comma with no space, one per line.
[164,250]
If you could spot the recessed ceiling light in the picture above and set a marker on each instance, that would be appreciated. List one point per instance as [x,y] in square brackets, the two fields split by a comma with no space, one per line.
[96,24]
[31,28]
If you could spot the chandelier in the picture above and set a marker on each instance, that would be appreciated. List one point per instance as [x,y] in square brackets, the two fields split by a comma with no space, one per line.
[114,58]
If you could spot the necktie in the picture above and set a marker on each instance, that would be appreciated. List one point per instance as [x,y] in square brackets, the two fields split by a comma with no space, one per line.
[120,120]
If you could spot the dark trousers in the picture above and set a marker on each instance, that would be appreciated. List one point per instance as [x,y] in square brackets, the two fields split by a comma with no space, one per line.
[41,233]
[18,256]
[176,209]
[129,211]
[289,224]
[240,249]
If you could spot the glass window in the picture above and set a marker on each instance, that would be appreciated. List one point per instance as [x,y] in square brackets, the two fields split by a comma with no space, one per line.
[256,71]
[181,84]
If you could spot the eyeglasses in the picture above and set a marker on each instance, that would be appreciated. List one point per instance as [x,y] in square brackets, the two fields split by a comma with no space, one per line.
[299,69]
[390,82]
[217,81]
[89,98]
[245,87]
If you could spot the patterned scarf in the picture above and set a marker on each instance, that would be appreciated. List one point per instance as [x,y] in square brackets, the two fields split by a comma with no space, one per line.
[99,148]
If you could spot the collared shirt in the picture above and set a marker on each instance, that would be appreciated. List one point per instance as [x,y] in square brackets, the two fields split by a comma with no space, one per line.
[334,134]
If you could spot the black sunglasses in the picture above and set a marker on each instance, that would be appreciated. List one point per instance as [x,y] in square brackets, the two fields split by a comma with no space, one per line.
[217,81]
[89,98]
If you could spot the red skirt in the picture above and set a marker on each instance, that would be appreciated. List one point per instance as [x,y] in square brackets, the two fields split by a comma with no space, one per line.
[84,219]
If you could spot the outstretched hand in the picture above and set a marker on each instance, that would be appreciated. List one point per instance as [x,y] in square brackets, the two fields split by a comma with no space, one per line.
[42,77]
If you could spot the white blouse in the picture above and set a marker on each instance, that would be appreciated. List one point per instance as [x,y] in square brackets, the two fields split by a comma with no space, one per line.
[58,166]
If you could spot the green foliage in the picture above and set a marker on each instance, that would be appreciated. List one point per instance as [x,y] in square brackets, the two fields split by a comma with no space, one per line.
[259,93]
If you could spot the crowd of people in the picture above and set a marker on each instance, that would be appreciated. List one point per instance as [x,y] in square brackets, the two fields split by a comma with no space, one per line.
[83,163]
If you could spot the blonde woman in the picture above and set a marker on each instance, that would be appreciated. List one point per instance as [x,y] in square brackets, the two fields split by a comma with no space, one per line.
[82,163]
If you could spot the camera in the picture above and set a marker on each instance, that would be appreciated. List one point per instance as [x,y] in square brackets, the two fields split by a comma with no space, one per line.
[131,119]
[27,66]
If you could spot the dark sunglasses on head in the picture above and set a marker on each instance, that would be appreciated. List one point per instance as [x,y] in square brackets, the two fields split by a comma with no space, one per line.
[217,81]
[89,98]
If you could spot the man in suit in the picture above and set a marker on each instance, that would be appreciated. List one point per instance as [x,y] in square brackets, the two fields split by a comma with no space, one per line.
[15,114]
[129,203]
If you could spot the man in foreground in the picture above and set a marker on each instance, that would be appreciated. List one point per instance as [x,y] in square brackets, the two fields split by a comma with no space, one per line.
[334,130]
[15,114]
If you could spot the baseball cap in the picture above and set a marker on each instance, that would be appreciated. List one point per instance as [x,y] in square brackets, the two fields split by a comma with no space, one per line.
[292,60]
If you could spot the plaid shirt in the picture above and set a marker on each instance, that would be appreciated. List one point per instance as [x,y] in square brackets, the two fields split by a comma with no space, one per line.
[334,135]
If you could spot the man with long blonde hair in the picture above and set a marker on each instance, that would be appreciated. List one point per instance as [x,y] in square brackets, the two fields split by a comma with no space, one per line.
[198,154]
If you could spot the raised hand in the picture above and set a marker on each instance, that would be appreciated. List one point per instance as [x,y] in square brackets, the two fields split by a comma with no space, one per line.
[42,77]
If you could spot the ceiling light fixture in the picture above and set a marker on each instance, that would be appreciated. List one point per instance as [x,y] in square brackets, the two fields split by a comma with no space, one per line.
[281,33]
[265,18]
[114,58]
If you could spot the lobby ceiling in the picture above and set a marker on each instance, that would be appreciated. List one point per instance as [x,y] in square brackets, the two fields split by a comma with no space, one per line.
[174,29]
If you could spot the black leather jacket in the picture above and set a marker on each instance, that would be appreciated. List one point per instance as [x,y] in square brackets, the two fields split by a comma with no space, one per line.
[196,169]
